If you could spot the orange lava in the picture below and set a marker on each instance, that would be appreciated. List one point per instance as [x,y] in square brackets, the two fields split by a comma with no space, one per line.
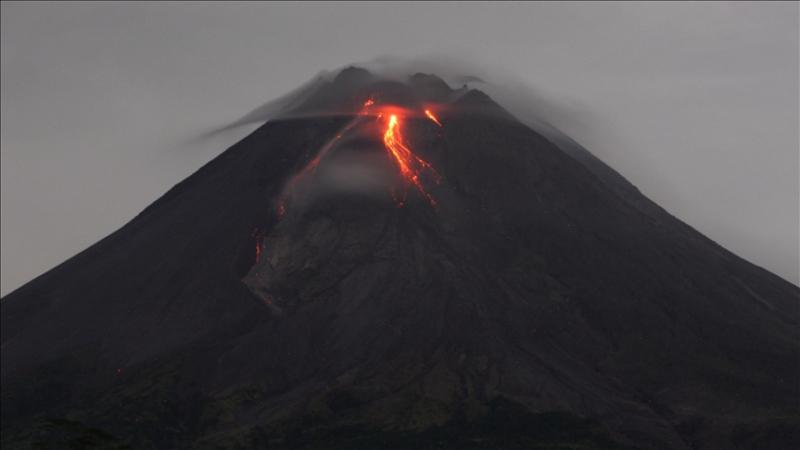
[411,166]
[432,117]
[259,238]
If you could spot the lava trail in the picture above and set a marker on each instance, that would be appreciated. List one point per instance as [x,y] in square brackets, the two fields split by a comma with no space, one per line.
[432,117]
[411,166]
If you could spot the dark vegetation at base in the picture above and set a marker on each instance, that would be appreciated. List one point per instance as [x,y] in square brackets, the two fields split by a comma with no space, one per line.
[63,434]
[153,411]
[507,425]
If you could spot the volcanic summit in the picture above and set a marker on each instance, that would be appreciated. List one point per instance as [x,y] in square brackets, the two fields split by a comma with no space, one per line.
[397,263]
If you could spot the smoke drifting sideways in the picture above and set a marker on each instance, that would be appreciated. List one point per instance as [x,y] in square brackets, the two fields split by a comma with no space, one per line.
[527,104]
[315,98]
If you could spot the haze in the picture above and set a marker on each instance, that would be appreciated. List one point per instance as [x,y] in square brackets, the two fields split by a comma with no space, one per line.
[102,104]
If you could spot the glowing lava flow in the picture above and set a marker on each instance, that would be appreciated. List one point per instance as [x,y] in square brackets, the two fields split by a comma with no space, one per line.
[259,238]
[432,117]
[411,166]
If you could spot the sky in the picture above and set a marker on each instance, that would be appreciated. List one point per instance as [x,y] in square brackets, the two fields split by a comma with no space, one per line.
[102,104]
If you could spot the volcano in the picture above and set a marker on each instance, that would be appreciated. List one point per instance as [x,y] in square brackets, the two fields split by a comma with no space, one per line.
[391,264]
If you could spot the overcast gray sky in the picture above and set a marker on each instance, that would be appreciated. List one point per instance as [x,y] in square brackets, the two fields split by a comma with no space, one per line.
[695,103]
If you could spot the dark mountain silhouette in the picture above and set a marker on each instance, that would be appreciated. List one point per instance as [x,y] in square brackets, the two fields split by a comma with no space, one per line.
[302,291]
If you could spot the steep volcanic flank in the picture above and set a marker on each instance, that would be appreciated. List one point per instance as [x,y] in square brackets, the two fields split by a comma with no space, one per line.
[392,264]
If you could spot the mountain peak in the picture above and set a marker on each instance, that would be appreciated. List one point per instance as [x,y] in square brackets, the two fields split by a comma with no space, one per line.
[353,75]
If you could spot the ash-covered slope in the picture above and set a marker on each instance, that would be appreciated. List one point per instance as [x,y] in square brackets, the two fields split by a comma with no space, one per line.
[315,286]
